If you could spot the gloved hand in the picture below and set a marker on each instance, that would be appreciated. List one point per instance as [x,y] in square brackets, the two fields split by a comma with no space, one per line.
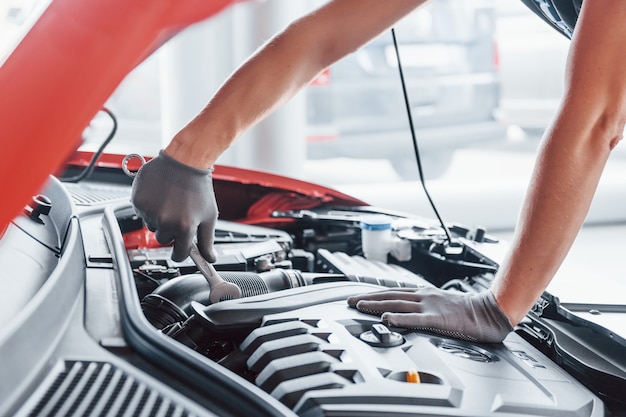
[472,317]
[177,201]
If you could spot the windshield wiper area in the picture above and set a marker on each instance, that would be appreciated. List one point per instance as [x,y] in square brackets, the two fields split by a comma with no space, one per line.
[589,352]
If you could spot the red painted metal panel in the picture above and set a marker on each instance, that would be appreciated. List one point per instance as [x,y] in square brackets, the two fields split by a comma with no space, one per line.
[63,71]
[269,180]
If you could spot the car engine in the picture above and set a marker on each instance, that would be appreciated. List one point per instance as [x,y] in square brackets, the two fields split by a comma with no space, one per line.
[293,335]
[99,317]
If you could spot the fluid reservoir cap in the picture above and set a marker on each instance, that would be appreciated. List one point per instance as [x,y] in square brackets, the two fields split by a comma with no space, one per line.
[381,336]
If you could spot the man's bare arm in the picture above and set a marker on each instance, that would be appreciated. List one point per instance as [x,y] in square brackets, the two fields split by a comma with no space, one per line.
[279,69]
[573,154]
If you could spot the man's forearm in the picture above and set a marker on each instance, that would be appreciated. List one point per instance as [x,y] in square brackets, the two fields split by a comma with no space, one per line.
[279,69]
[588,126]
[557,201]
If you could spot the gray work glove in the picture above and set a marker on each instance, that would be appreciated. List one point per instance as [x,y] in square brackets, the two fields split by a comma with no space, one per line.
[472,317]
[177,201]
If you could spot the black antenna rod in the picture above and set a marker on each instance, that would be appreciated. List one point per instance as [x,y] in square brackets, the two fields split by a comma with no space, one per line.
[415,147]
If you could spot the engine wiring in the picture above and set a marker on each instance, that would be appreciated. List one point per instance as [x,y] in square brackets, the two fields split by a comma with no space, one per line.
[92,163]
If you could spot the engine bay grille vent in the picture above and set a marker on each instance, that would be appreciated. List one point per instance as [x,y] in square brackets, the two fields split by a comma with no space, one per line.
[101,389]
[90,194]
[292,358]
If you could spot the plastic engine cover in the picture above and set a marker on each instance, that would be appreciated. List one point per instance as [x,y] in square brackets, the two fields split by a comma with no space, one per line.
[327,360]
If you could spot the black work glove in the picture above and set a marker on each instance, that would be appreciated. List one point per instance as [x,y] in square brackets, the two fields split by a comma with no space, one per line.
[177,201]
[472,317]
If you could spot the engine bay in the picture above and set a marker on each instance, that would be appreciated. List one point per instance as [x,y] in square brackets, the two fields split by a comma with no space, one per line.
[293,335]
[288,343]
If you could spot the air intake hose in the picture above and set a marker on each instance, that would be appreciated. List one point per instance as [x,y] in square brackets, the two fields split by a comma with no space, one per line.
[170,303]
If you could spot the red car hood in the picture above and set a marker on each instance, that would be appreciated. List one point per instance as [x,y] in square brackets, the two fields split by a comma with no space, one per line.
[62,72]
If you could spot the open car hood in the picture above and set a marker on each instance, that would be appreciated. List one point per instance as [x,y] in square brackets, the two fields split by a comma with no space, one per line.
[63,70]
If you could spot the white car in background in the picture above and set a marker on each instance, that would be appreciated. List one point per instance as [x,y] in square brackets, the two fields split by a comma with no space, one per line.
[449,56]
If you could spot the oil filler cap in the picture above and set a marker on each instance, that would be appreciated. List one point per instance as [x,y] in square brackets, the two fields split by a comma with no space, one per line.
[381,336]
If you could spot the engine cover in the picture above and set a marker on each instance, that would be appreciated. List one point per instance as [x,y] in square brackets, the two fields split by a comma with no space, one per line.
[333,360]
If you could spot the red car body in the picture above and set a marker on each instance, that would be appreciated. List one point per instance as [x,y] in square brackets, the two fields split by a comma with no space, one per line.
[47,83]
